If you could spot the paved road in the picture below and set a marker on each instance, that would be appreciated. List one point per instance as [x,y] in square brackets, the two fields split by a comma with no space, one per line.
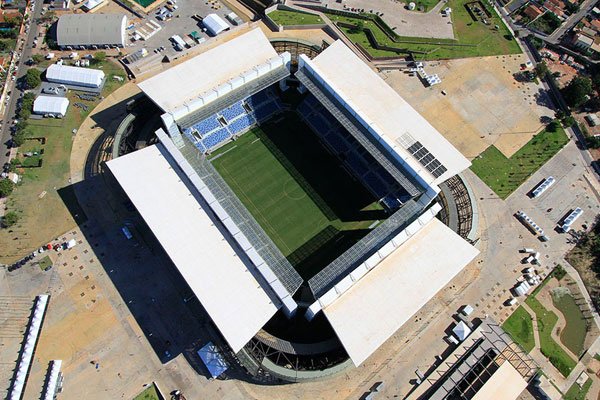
[9,113]
[585,8]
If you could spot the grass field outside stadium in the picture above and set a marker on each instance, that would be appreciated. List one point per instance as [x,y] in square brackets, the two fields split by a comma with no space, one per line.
[299,193]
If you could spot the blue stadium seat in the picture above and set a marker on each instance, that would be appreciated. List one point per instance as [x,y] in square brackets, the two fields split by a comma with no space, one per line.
[265,111]
[336,142]
[391,202]
[241,124]
[259,98]
[207,125]
[378,187]
[216,138]
[232,112]
[356,164]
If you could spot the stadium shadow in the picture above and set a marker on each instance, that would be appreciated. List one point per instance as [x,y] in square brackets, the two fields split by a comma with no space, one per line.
[146,282]
[323,248]
[320,174]
[171,318]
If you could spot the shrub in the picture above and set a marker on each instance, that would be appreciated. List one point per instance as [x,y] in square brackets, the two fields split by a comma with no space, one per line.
[9,219]
[6,187]
[33,78]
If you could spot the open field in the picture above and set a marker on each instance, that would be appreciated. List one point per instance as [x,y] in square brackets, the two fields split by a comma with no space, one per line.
[150,393]
[578,393]
[574,333]
[305,201]
[37,199]
[520,328]
[546,320]
[484,104]
[285,18]
[504,175]
[473,38]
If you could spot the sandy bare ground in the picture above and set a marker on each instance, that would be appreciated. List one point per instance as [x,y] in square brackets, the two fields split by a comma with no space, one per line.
[483,105]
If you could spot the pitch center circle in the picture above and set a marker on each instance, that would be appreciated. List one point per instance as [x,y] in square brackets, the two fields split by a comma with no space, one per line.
[292,190]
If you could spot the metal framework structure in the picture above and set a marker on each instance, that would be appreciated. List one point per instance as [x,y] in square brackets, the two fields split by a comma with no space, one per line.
[356,129]
[463,205]
[265,247]
[228,99]
[364,248]
[475,367]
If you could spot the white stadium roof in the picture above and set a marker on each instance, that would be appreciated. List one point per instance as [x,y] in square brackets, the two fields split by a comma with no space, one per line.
[376,306]
[214,24]
[385,111]
[50,105]
[505,384]
[74,75]
[176,86]
[231,295]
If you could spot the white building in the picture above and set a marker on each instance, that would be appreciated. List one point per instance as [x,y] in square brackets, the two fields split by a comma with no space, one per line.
[365,305]
[51,105]
[77,76]
[88,30]
[214,24]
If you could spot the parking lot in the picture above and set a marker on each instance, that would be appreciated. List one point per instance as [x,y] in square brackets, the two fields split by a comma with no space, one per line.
[186,19]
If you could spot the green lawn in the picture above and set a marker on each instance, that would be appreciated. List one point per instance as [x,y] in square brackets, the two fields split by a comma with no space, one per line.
[520,328]
[546,320]
[473,39]
[38,199]
[504,175]
[150,393]
[304,200]
[426,4]
[574,333]
[45,263]
[285,18]
[578,393]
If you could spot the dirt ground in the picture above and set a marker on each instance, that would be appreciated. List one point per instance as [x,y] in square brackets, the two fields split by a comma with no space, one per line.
[566,72]
[484,104]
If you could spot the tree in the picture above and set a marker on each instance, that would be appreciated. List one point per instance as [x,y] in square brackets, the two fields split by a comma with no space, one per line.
[37,58]
[541,69]
[568,121]
[33,78]
[99,57]
[9,219]
[6,187]
[18,139]
[552,126]
[576,92]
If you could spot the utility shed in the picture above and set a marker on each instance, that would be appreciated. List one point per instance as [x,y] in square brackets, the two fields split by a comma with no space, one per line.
[51,105]
[74,75]
[214,24]
[91,30]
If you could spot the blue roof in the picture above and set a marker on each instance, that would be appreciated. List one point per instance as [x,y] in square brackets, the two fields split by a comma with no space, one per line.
[213,360]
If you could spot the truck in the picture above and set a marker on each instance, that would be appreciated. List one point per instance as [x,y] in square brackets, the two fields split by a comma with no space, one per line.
[178,41]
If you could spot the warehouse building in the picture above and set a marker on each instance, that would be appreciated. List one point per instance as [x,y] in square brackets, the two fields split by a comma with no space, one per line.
[53,106]
[76,76]
[91,30]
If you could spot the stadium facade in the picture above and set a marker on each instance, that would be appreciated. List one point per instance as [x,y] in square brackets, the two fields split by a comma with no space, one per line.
[239,275]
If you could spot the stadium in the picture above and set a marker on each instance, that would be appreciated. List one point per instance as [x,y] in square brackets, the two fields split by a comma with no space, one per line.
[296,197]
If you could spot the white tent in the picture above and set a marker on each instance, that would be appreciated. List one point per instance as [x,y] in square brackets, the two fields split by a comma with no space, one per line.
[214,24]
[53,105]
[74,75]
[461,331]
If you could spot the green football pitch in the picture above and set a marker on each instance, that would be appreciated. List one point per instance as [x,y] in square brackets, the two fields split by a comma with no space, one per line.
[299,193]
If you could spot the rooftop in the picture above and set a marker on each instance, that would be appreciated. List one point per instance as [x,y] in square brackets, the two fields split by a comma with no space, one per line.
[399,125]
[227,289]
[91,29]
[187,81]
[376,306]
